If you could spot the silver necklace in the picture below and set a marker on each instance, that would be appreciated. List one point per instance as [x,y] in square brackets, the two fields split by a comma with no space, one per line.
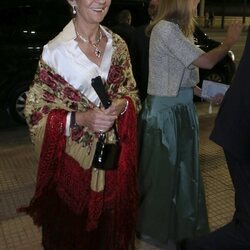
[97,51]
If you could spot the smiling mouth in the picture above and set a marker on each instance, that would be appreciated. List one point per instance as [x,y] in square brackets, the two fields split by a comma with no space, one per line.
[98,9]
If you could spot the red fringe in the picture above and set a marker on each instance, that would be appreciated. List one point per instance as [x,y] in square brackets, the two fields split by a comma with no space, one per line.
[71,214]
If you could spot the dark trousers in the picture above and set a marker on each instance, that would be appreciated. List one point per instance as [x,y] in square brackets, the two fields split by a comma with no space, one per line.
[236,234]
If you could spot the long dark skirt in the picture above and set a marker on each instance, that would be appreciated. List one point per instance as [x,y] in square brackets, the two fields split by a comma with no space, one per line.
[172,199]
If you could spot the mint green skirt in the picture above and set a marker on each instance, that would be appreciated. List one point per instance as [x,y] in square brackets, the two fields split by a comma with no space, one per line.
[172,199]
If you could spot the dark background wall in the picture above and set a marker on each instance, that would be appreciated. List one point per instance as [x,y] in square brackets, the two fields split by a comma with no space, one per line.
[229,7]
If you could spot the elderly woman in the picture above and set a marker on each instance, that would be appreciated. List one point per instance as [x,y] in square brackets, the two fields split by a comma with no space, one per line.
[77,205]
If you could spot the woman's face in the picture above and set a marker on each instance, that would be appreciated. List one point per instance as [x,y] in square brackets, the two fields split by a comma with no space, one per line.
[91,11]
[152,8]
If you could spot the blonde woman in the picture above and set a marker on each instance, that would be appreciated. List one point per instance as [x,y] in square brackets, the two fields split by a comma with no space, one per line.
[172,200]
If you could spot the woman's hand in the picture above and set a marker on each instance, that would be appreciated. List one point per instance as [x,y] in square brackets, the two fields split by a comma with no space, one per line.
[118,106]
[96,120]
[217,99]
[197,91]
[209,59]
[101,119]
[233,33]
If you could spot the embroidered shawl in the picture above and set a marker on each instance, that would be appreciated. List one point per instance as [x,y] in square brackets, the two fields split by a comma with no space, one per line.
[65,162]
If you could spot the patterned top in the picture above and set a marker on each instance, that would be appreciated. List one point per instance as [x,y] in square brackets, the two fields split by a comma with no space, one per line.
[170,60]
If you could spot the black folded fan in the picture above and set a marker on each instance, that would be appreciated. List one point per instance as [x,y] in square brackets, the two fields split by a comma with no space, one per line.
[101,92]
[106,155]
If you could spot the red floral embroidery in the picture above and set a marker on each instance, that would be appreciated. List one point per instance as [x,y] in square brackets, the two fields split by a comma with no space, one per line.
[116,75]
[43,75]
[35,118]
[48,97]
[76,134]
[59,79]
[71,94]
[45,109]
[48,80]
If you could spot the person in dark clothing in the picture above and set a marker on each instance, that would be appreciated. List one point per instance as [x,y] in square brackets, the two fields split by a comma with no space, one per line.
[211,18]
[140,60]
[139,54]
[206,19]
[124,28]
[232,133]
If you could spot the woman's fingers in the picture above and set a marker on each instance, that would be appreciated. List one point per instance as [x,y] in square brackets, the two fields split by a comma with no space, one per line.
[217,99]
[96,120]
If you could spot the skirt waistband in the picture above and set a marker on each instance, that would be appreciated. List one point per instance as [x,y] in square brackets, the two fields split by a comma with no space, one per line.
[185,96]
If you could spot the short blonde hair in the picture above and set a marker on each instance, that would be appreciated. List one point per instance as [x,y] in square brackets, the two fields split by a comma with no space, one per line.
[177,11]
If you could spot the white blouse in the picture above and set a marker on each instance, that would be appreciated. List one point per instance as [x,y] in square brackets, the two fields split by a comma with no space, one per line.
[65,57]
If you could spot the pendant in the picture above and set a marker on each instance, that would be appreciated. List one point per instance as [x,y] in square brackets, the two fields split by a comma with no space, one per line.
[98,53]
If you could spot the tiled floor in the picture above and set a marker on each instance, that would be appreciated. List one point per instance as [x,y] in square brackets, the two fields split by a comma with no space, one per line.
[17,178]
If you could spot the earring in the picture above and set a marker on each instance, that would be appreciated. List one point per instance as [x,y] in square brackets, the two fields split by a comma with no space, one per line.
[74,9]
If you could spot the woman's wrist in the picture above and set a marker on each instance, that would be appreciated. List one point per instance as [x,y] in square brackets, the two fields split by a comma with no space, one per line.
[226,45]
[73,121]
[197,91]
